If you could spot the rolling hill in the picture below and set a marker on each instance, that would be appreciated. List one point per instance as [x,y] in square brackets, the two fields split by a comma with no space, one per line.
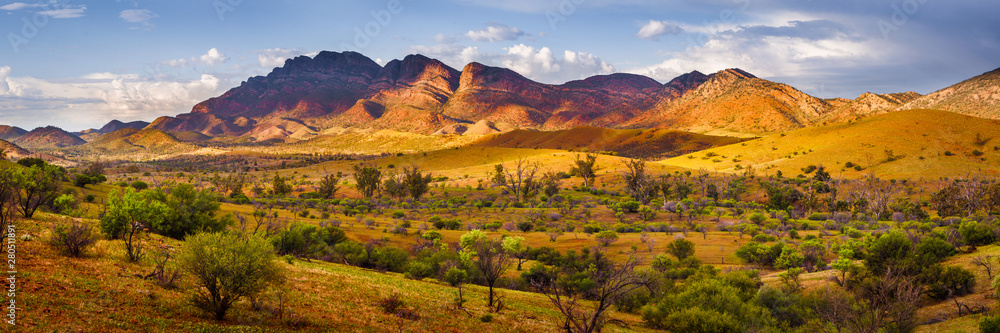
[49,137]
[978,96]
[654,143]
[11,132]
[923,144]
[132,144]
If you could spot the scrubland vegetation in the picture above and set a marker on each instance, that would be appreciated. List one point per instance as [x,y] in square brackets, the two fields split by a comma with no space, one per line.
[497,239]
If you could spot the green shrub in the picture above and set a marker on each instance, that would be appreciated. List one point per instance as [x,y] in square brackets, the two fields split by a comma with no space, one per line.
[606,237]
[72,239]
[189,211]
[990,324]
[975,233]
[419,270]
[764,238]
[951,281]
[227,268]
[307,240]
[681,248]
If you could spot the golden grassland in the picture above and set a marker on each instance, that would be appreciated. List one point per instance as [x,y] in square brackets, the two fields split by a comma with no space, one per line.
[919,139]
[101,290]
[365,142]
[466,165]
[644,143]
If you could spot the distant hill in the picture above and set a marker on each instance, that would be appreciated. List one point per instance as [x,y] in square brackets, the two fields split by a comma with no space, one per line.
[115,125]
[12,151]
[422,95]
[131,139]
[651,143]
[978,96]
[11,132]
[923,143]
[49,137]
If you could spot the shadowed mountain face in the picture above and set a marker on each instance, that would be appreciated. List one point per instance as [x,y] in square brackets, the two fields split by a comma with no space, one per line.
[423,95]
[47,138]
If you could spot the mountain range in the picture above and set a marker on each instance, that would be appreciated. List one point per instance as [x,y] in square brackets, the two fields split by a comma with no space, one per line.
[423,95]
[314,96]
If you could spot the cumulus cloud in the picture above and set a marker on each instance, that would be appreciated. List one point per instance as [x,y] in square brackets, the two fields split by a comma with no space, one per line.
[496,32]
[803,50]
[452,54]
[654,29]
[270,58]
[96,98]
[211,58]
[4,84]
[542,64]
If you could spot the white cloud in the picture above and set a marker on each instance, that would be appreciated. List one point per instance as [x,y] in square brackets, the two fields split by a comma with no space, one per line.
[4,84]
[806,52]
[108,76]
[270,58]
[495,33]
[98,97]
[654,29]
[137,15]
[542,64]
[20,5]
[441,38]
[68,11]
[211,58]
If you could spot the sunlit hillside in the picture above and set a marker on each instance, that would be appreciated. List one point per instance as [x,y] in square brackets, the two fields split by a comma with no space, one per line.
[923,144]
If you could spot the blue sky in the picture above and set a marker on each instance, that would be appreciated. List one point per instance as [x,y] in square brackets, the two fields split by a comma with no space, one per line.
[78,64]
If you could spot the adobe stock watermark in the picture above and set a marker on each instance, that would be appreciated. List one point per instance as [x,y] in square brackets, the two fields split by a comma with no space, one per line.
[222,7]
[901,14]
[10,307]
[381,19]
[31,27]
[726,16]
[565,9]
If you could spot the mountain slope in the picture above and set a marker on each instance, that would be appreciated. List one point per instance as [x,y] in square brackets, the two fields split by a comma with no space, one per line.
[920,142]
[736,102]
[978,96]
[868,104]
[11,132]
[47,138]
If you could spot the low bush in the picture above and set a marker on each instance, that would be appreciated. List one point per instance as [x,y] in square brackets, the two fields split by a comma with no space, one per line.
[72,239]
